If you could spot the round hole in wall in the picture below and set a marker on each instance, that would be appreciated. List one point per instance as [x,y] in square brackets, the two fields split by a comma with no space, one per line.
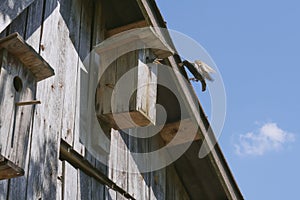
[18,85]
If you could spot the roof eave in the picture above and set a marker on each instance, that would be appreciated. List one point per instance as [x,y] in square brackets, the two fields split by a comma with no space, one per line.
[154,18]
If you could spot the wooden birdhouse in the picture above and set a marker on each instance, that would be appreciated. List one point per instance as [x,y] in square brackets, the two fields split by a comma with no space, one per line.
[127,91]
[21,67]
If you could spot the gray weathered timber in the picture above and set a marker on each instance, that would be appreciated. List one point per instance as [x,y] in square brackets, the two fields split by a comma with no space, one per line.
[158,177]
[98,36]
[121,174]
[16,120]
[31,60]
[47,123]
[127,74]
[174,188]
[216,157]
[9,10]
[136,184]
[63,32]
[17,187]
[171,130]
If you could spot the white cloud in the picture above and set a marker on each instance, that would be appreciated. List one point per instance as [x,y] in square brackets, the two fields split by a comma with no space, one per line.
[268,138]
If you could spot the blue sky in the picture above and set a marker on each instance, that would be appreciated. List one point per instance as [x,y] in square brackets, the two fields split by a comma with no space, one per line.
[256,46]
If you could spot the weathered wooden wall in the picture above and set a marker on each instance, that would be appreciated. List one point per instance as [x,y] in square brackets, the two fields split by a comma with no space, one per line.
[64,32]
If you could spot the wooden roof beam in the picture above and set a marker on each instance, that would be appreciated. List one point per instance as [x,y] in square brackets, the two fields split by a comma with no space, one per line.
[138,24]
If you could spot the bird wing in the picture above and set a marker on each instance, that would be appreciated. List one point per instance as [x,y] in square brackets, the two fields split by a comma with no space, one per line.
[205,70]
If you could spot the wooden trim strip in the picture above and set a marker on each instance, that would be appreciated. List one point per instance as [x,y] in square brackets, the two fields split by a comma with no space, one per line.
[68,154]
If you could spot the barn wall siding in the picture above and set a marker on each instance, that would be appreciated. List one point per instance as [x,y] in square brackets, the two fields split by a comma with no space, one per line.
[64,32]
[9,10]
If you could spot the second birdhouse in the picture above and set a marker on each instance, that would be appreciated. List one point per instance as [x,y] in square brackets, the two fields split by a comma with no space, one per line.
[20,70]
[127,90]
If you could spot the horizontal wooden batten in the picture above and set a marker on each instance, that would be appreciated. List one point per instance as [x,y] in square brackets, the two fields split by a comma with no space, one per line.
[68,154]
[180,132]
[16,46]
[139,24]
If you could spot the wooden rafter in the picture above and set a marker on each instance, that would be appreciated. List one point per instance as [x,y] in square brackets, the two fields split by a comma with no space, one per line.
[138,24]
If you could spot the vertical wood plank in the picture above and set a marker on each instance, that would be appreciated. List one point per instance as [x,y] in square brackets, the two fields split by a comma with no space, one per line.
[158,177]
[47,122]
[33,37]
[70,13]
[70,181]
[60,181]
[122,162]
[70,25]
[3,189]
[19,24]
[22,133]
[34,24]
[85,40]
[112,163]
[9,13]
[137,186]
[175,189]
[6,101]
[98,36]
[146,85]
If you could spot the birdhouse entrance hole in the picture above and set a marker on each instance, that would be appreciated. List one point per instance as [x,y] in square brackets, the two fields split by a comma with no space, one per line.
[18,84]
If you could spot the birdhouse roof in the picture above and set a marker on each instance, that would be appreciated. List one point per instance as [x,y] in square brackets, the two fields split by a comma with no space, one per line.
[134,39]
[16,46]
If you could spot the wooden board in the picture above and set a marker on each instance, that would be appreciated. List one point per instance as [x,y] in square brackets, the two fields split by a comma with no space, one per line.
[17,84]
[183,129]
[174,187]
[129,40]
[9,10]
[225,177]
[138,24]
[15,44]
[120,111]
[46,129]
[9,169]
[158,178]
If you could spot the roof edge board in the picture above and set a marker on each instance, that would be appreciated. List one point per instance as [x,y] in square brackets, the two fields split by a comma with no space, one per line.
[154,17]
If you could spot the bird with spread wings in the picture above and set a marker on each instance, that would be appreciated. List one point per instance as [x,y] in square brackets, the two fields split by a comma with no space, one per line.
[200,70]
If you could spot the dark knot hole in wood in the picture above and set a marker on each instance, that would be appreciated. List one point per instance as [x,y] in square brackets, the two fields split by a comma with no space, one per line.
[18,84]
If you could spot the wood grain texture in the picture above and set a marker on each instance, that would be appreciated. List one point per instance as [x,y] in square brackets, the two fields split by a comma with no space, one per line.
[184,130]
[20,150]
[138,24]
[98,36]
[3,189]
[135,38]
[15,45]
[174,188]
[121,173]
[69,22]
[113,105]
[68,29]
[47,123]
[217,159]
[158,178]
[9,10]
[137,186]
[15,131]
[9,169]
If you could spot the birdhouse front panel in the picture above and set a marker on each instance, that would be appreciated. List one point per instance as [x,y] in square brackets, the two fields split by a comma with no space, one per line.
[126,93]
[17,85]
[20,70]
